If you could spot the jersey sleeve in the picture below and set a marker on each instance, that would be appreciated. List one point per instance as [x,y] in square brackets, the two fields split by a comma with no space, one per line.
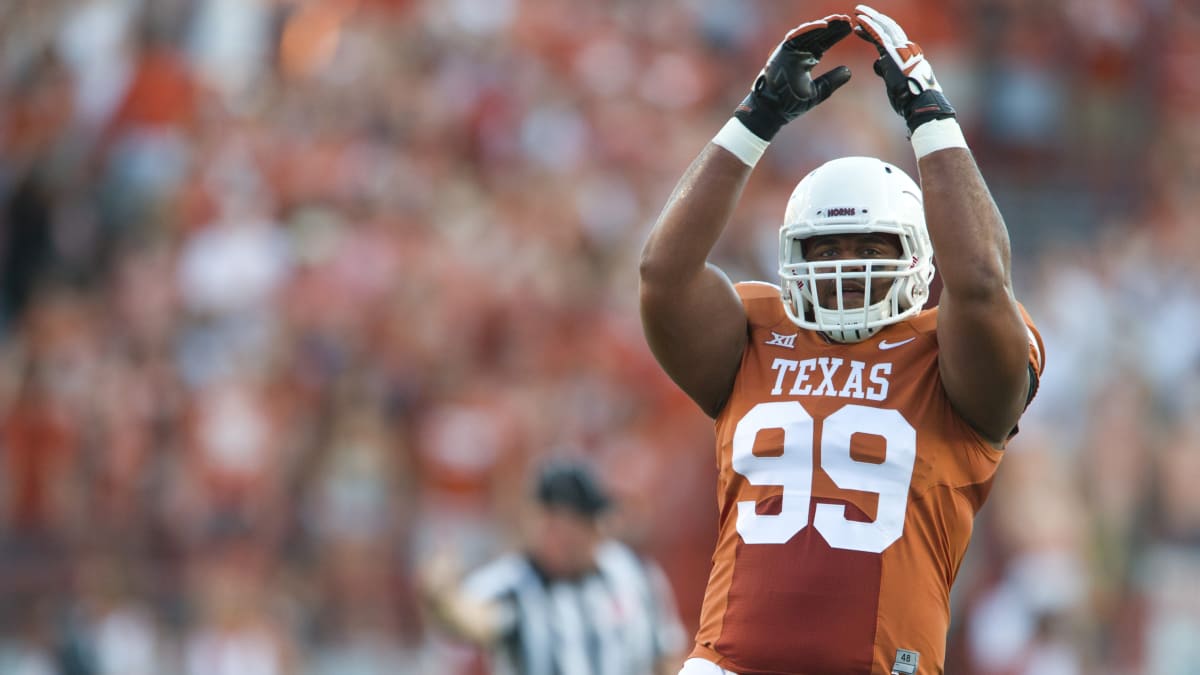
[755,293]
[1037,352]
[761,301]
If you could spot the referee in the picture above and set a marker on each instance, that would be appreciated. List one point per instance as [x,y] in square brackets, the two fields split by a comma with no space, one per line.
[572,601]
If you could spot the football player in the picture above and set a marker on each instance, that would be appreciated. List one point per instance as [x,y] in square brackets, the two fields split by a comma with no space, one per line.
[857,432]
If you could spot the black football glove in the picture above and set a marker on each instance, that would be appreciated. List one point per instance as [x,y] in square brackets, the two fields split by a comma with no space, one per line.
[785,89]
[911,87]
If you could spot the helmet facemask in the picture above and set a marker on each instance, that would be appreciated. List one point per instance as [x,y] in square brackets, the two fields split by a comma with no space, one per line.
[855,196]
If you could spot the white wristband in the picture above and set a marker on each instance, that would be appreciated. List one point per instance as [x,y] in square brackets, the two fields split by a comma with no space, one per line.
[742,142]
[937,135]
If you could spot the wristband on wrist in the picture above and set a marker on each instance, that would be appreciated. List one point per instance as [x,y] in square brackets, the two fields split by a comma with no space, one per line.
[937,135]
[742,142]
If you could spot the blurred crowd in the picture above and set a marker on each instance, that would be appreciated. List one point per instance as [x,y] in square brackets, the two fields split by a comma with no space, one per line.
[293,291]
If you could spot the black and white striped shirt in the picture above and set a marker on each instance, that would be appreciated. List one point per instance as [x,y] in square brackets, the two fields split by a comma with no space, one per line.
[619,620]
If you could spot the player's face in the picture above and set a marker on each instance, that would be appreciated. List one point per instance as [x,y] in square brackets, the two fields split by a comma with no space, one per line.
[851,247]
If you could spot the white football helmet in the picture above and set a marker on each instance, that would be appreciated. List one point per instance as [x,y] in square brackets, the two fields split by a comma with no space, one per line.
[855,195]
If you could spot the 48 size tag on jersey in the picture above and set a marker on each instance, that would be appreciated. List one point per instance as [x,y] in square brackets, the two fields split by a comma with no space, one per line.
[906,662]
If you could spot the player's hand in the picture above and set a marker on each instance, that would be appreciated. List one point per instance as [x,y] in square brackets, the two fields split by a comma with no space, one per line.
[911,86]
[785,89]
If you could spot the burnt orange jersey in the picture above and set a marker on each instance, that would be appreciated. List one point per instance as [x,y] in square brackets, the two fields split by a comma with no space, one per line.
[847,491]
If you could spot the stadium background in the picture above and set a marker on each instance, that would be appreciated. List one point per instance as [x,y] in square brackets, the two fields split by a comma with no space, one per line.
[293,291]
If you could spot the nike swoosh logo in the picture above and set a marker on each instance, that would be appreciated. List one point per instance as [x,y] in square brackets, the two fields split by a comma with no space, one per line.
[884,344]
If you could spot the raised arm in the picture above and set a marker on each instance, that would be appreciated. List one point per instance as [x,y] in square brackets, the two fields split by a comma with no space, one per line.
[691,315]
[983,340]
[457,613]
[693,319]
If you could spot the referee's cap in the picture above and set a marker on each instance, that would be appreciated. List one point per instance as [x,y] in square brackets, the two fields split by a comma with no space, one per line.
[571,485]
